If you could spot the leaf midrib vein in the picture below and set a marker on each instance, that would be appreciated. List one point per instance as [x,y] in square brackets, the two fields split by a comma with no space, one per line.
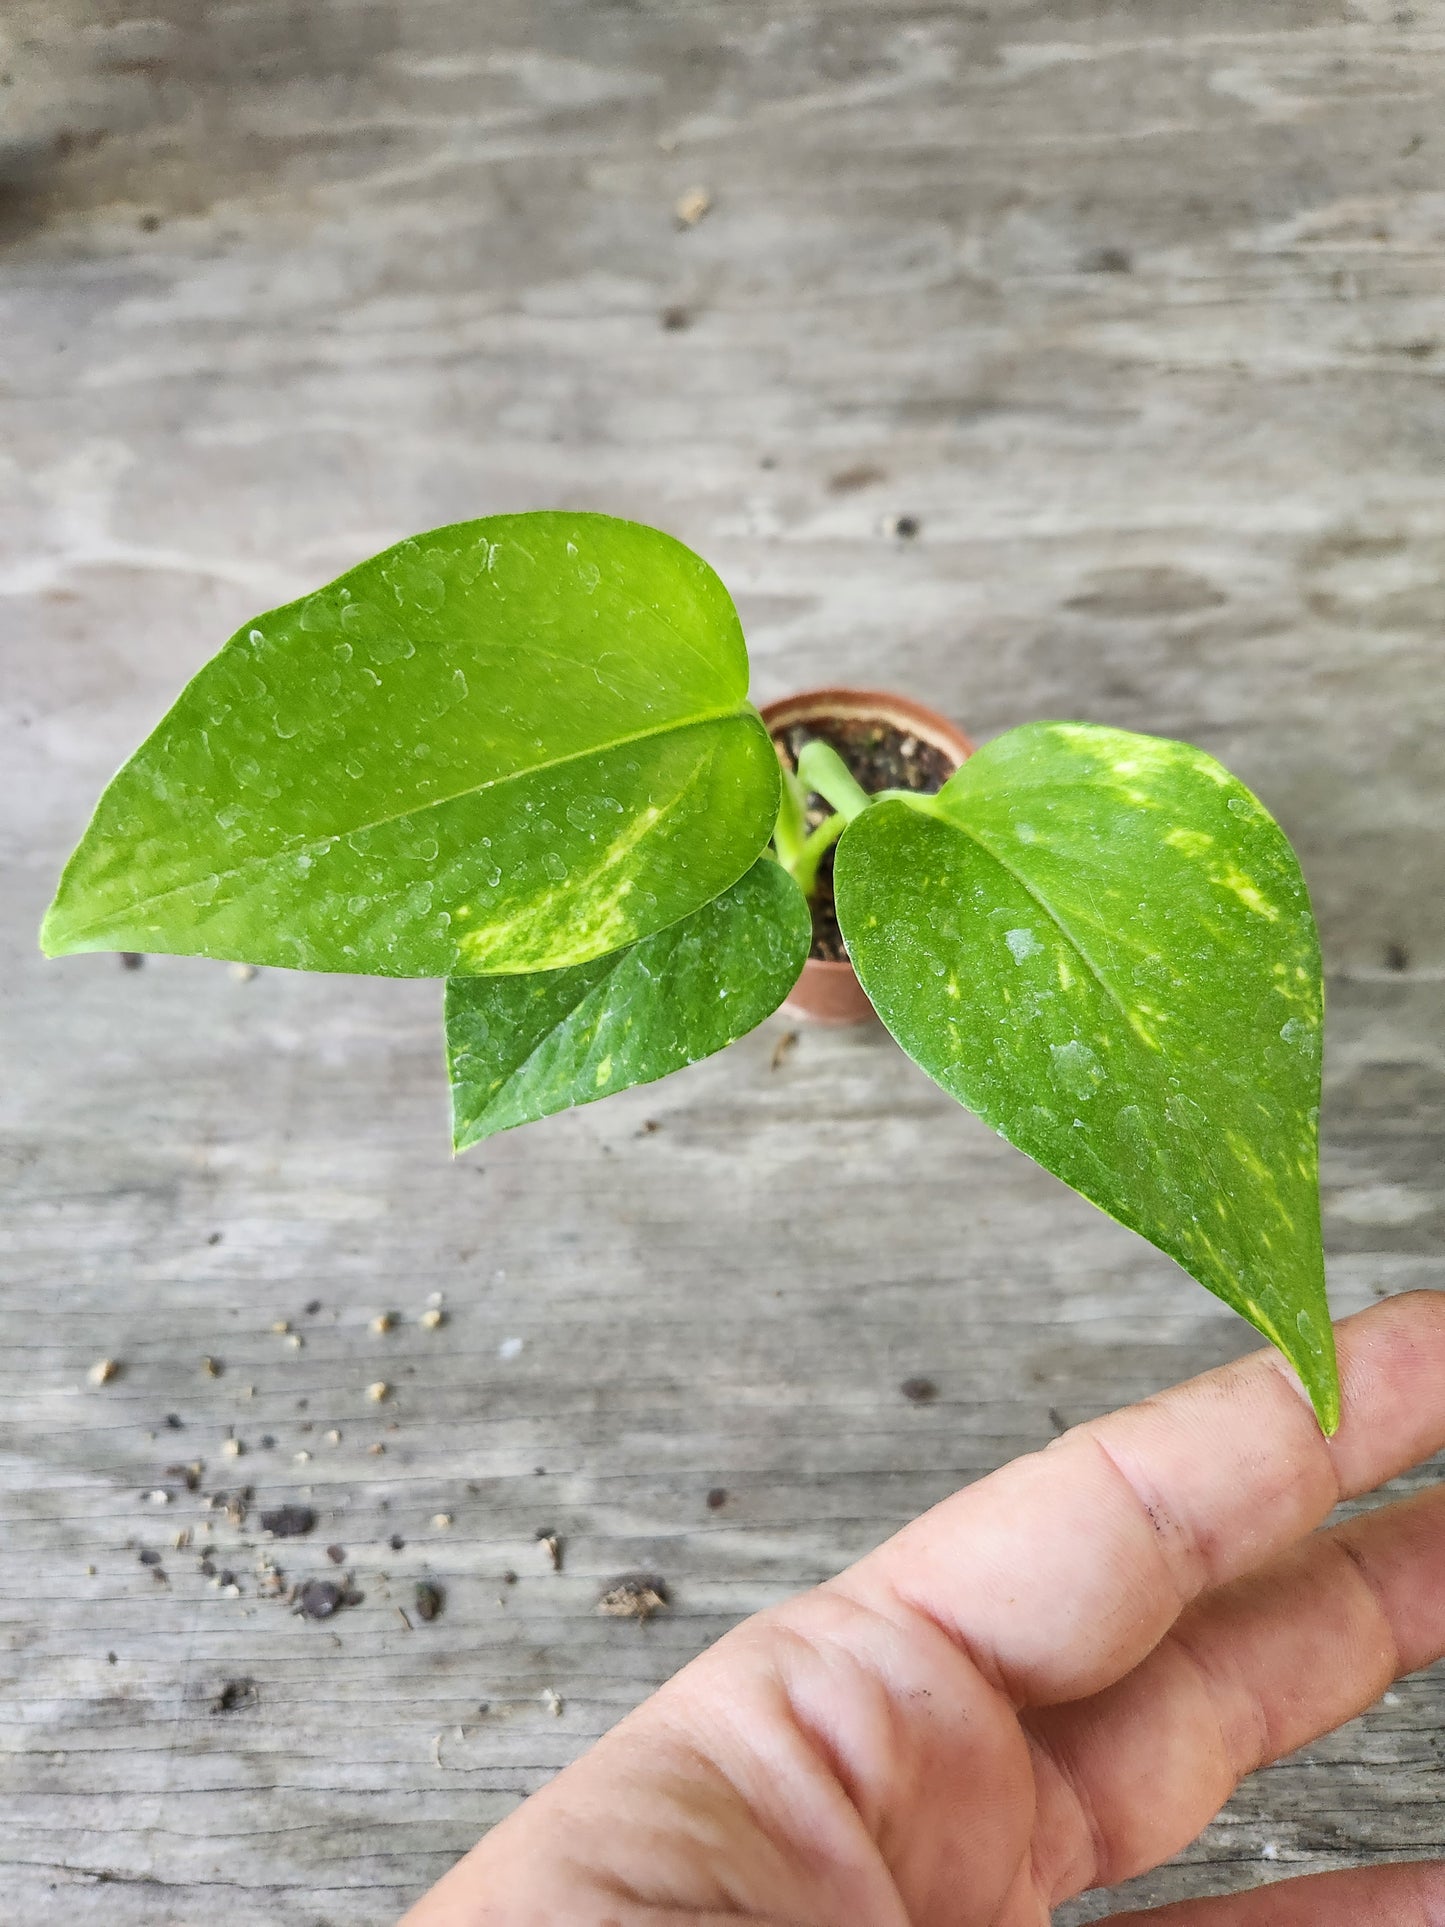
[966,829]
[302,845]
[1203,1150]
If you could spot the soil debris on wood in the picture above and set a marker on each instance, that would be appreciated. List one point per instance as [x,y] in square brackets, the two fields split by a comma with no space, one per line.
[429,1600]
[919,1391]
[551,1545]
[131,959]
[322,1598]
[717,1498]
[1111,260]
[288,1521]
[784,1048]
[636,1595]
[689,208]
[881,757]
[337,1555]
[847,481]
[235,1695]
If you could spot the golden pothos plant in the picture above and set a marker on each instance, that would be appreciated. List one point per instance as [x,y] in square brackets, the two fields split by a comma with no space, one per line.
[518,754]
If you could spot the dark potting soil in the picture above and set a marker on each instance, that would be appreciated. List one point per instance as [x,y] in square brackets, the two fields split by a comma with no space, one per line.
[881,757]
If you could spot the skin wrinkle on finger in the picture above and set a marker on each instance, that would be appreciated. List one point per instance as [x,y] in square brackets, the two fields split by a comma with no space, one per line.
[1251,1672]
[1069,1845]
[742,1718]
[1356,1556]
[1303,1478]
[1024,1907]
[923,1742]
[799,1853]
[1088,1618]
[1135,1816]
[871,1750]
[1392,1546]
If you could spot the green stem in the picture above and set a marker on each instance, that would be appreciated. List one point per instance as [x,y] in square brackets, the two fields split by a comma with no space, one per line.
[805,870]
[822,769]
[924,800]
[790,832]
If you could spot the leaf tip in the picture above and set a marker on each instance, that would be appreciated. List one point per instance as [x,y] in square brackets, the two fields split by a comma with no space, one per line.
[1317,1369]
[54,939]
[466,1131]
[1324,1395]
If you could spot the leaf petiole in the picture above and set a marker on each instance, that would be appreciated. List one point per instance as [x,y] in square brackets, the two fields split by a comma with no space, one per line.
[790,832]
[805,870]
[925,801]
[822,769]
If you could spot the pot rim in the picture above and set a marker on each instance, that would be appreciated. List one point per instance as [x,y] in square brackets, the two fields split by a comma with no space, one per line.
[846,702]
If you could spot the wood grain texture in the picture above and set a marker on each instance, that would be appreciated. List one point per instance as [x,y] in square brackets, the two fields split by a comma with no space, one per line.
[1139,313]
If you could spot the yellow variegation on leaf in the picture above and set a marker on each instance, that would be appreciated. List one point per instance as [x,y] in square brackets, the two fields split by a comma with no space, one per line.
[1102,943]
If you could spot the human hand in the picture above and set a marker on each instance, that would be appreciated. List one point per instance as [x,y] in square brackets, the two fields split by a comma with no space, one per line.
[1050,1682]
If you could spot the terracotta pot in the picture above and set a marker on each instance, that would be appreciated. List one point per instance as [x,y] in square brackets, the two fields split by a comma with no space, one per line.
[829,993]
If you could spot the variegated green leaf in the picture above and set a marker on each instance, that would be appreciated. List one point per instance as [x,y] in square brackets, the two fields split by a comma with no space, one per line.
[1102,943]
[519,1048]
[509,745]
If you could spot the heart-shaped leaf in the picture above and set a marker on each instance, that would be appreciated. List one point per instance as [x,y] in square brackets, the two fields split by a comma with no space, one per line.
[519,1048]
[1102,943]
[508,745]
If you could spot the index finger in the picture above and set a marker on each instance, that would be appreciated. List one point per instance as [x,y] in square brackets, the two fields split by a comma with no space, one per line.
[1060,1572]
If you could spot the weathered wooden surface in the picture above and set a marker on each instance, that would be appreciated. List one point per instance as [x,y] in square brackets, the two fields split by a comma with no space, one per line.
[1139,312]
